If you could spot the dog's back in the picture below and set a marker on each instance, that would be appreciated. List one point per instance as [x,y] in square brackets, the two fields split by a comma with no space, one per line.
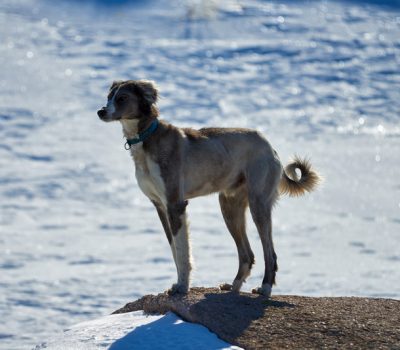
[217,159]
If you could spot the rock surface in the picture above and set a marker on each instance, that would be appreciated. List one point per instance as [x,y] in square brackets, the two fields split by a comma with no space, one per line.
[255,322]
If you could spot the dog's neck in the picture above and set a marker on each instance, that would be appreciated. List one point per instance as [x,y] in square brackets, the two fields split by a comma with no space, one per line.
[138,130]
[130,127]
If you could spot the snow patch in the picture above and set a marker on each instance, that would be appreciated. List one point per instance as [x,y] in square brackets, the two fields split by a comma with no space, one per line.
[135,330]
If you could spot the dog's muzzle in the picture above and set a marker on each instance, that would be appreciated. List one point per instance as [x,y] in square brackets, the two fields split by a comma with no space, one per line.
[102,113]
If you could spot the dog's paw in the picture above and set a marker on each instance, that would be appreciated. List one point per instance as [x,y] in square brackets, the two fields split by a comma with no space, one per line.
[236,285]
[264,290]
[225,286]
[178,289]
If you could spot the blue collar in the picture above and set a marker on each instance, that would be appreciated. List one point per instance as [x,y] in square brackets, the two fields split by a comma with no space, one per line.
[142,136]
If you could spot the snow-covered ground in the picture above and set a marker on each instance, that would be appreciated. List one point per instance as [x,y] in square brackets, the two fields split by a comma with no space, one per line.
[135,330]
[78,239]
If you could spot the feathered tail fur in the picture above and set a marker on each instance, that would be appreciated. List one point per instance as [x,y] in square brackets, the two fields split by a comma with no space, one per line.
[292,184]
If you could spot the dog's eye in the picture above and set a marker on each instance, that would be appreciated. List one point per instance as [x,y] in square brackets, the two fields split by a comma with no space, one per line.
[122,98]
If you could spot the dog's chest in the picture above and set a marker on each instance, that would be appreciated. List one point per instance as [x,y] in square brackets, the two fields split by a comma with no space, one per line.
[148,175]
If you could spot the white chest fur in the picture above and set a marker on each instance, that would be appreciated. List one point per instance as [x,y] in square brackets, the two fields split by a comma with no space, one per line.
[148,175]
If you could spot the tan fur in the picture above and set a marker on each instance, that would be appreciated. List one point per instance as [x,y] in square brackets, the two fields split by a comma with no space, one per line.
[294,186]
[177,164]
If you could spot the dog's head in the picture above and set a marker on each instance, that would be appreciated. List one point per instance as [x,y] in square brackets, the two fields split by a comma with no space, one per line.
[130,99]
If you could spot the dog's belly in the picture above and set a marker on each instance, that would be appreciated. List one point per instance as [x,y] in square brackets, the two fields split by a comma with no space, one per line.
[211,184]
[203,190]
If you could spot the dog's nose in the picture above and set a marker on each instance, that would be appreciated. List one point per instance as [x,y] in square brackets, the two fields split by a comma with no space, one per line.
[102,112]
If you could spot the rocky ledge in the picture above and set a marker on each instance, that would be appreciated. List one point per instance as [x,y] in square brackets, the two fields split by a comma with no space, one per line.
[255,322]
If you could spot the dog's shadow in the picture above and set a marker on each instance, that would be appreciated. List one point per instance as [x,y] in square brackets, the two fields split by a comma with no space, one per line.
[226,314]
[230,314]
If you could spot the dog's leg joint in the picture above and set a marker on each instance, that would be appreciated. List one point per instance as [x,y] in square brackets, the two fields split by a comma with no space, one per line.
[175,212]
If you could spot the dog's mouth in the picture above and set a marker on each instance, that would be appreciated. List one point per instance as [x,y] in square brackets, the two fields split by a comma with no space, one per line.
[104,116]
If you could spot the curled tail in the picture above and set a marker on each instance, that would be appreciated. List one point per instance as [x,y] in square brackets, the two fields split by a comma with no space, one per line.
[292,184]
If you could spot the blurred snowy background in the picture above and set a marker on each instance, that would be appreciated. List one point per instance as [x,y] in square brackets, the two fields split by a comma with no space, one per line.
[319,78]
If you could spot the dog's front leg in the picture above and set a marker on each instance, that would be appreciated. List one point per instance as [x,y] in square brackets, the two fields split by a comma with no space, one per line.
[180,240]
[162,214]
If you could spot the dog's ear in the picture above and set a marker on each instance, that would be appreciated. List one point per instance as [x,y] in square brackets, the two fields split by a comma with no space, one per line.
[148,96]
[149,91]
[115,84]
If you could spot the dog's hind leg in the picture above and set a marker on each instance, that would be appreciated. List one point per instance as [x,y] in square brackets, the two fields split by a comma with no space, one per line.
[263,192]
[262,218]
[233,207]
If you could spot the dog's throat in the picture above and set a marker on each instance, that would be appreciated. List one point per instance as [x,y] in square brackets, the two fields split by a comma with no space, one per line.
[130,127]
[142,136]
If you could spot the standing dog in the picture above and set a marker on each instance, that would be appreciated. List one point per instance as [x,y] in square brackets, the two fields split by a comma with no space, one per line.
[176,164]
